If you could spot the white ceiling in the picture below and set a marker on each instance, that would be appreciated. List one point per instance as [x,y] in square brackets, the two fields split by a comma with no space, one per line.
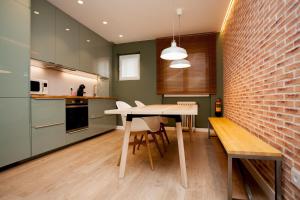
[141,20]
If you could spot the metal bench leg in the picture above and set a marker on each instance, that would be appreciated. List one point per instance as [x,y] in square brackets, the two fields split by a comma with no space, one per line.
[229,178]
[278,179]
[208,130]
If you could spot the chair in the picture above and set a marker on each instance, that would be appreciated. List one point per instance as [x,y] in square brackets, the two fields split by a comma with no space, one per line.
[163,121]
[146,126]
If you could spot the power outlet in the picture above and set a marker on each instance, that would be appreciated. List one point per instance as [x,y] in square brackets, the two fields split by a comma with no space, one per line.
[295,176]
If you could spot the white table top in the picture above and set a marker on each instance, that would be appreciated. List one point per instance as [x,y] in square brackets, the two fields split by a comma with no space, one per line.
[158,109]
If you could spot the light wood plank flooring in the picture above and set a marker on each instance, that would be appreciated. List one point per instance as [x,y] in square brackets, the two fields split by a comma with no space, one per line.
[88,170]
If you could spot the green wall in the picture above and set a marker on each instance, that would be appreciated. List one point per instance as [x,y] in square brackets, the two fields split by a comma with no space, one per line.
[145,89]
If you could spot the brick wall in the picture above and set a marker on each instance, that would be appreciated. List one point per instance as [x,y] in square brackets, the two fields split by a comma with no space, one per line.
[262,78]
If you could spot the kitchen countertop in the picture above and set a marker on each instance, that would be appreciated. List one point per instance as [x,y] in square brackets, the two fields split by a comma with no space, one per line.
[67,97]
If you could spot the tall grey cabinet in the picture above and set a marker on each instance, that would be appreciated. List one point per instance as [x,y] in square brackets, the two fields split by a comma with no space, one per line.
[14,81]
[43,31]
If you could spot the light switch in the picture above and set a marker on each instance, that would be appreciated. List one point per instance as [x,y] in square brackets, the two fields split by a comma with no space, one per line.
[295,176]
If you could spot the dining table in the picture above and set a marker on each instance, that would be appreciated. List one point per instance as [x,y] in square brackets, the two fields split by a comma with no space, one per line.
[166,110]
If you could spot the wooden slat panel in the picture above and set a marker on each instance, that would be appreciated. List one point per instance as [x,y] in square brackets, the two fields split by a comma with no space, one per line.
[200,78]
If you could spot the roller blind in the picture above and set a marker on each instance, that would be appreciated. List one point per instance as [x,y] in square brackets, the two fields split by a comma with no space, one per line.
[200,78]
[129,67]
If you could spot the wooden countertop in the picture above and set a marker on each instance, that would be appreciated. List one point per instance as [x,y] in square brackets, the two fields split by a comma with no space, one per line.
[67,97]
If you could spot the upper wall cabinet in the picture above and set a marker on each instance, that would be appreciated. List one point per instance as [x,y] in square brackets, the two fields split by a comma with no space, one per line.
[102,56]
[87,44]
[95,53]
[14,48]
[58,38]
[42,31]
[66,41]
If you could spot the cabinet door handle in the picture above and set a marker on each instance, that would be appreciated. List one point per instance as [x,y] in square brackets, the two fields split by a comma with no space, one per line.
[48,125]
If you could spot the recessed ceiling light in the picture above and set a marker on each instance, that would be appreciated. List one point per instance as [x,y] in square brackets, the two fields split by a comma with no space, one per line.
[80,2]
[104,22]
[88,40]
[67,29]
[121,35]
[36,12]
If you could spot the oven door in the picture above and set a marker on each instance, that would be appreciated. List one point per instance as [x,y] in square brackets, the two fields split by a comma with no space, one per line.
[76,117]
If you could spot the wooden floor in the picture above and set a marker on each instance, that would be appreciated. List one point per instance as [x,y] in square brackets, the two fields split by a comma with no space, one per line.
[88,170]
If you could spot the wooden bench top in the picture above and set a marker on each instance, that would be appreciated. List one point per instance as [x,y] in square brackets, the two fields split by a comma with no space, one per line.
[238,141]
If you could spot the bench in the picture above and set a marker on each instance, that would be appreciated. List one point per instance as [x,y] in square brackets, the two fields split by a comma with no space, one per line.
[241,144]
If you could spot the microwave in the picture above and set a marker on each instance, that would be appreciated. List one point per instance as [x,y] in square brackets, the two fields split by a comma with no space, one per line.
[38,87]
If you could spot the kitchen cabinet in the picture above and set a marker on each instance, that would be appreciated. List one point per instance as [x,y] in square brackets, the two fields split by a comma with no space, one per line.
[98,121]
[102,124]
[14,48]
[58,38]
[42,31]
[66,40]
[102,57]
[95,53]
[47,137]
[15,130]
[76,136]
[88,44]
[48,125]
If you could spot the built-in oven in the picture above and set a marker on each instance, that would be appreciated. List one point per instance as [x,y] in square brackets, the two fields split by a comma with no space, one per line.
[76,115]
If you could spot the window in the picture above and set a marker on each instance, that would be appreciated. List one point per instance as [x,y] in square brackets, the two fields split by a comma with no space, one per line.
[129,67]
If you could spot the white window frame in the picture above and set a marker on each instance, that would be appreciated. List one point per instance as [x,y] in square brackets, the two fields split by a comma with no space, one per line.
[137,77]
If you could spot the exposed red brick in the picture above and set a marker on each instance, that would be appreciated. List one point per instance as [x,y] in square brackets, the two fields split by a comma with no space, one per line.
[261,44]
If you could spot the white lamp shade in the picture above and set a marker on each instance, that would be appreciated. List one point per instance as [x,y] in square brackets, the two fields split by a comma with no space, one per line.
[173,52]
[180,64]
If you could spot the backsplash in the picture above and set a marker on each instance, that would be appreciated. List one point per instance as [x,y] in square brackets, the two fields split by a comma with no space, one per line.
[60,83]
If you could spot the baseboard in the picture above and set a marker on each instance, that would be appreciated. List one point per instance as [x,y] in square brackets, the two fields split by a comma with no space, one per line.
[170,128]
[269,191]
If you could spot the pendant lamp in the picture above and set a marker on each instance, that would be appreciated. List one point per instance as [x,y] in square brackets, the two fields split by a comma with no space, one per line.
[174,52]
[181,63]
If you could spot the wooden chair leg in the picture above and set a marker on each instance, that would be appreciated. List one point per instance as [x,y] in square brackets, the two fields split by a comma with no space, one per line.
[190,125]
[156,143]
[134,143]
[119,160]
[141,141]
[164,132]
[149,151]
[163,140]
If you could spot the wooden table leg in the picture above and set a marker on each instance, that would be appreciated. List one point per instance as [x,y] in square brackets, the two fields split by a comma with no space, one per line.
[125,149]
[181,154]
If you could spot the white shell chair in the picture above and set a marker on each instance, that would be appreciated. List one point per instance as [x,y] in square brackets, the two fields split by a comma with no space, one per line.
[147,125]
[163,122]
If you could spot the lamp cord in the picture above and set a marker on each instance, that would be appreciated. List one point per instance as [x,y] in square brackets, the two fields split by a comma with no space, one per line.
[179,30]
[173,26]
